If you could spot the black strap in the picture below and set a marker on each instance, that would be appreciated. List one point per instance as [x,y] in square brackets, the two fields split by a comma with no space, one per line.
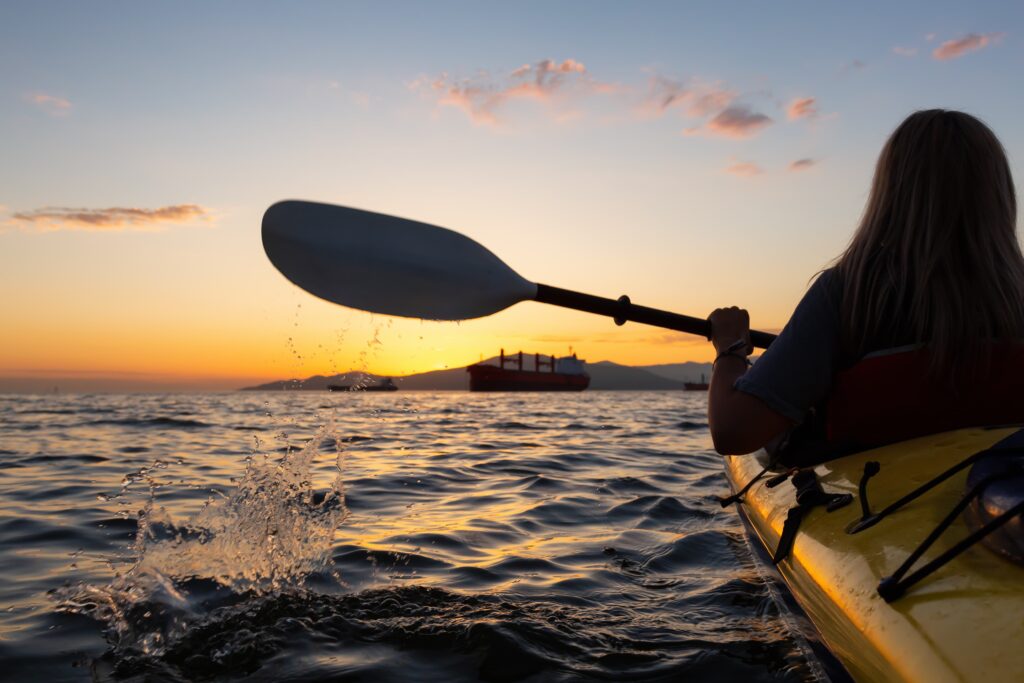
[871,520]
[895,585]
[1013,444]
[738,496]
[809,495]
[789,529]
[871,468]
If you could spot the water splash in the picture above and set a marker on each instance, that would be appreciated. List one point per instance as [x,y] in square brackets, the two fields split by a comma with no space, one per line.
[267,536]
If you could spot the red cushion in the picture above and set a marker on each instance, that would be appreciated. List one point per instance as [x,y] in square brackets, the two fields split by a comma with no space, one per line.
[889,398]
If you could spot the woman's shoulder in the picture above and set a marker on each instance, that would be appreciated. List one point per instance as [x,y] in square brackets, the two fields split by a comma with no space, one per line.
[826,290]
[828,279]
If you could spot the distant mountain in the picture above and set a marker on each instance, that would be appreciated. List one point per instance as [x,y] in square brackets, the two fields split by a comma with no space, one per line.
[316,382]
[453,379]
[604,375]
[680,372]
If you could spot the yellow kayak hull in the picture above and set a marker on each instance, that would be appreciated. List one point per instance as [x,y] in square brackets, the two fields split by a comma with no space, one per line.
[965,622]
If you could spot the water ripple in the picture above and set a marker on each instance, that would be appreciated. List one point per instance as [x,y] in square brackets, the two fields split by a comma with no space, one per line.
[490,537]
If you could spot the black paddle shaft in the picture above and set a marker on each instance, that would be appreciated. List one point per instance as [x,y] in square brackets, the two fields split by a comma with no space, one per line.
[622,310]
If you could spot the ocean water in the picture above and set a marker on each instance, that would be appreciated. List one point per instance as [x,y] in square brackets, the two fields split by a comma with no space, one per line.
[378,537]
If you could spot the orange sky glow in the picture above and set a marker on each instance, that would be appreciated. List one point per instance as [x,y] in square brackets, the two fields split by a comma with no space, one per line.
[671,167]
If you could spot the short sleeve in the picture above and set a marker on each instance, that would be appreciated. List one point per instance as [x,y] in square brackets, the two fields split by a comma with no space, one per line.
[796,372]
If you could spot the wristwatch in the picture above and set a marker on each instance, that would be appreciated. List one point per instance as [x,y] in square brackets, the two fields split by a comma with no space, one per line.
[731,351]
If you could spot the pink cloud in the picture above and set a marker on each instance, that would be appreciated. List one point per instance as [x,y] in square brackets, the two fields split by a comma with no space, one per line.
[483,97]
[736,121]
[57,106]
[802,164]
[951,49]
[802,107]
[744,169]
[112,219]
[569,93]
[547,66]
[695,98]
[477,103]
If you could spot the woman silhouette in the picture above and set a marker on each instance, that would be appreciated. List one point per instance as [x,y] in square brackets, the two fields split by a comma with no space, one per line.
[915,327]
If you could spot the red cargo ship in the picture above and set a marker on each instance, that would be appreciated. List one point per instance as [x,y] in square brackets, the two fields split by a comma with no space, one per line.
[562,374]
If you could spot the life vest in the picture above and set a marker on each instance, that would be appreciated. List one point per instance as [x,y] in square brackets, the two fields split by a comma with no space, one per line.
[888,397]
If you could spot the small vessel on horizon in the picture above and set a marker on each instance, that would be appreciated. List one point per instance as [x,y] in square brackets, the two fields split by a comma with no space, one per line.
[562,374]
[702,385]
[386,384]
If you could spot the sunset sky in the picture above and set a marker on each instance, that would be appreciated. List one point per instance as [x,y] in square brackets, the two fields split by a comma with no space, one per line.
[690,155]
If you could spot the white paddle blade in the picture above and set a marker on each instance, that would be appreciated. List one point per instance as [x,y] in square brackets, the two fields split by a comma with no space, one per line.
[388,265]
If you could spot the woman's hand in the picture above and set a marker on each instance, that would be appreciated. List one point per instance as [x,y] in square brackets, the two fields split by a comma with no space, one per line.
[739,422]
[728,325]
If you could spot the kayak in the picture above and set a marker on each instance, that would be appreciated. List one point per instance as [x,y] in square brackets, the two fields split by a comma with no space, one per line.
[962,622]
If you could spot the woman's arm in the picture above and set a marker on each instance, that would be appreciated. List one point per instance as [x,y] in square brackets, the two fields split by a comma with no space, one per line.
[740,423]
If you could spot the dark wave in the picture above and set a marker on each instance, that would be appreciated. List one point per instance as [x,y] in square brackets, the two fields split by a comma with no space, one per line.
[506,426]
[467,637]
[594,427]
[153,422]
[87,458]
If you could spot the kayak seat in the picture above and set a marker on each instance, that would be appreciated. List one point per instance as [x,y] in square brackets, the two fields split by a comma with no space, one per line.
[890,397]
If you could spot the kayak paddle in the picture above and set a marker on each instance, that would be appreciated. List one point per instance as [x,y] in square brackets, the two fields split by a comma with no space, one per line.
[395,266]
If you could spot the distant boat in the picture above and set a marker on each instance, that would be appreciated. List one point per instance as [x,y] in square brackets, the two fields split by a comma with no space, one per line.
[696,386]
[386,384]
[562,374]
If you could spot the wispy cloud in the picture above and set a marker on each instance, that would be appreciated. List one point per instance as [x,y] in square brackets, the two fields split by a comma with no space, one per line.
[737,121]
[483,97]
[621,337]
[951,49]
[801,108]
[49,219]
[855,65]
[802,164]
[56,106]
[744,169]
[568,92]
[695,98]
[905,51]
[676,339]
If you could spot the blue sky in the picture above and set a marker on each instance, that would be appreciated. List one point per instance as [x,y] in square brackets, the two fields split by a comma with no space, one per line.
[582,183]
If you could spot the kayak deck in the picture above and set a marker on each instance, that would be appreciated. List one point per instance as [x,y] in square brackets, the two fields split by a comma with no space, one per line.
[965,622]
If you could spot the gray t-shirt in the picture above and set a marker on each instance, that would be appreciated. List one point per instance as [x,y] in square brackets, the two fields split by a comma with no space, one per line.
[796,372]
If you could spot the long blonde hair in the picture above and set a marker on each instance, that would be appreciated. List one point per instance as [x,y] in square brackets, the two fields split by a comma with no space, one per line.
[936,258]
